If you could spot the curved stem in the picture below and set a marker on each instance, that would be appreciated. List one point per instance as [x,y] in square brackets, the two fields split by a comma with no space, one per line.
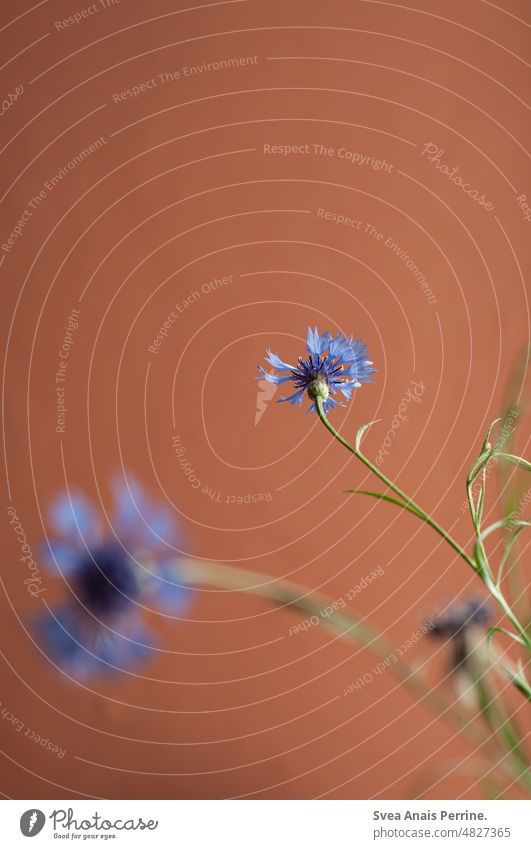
[348,627]
[480,564]
[408,502]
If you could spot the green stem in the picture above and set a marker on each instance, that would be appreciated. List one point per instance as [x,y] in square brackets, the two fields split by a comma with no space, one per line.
[480,563]
[516,404]
[407,501]
[496,593]
[496,718]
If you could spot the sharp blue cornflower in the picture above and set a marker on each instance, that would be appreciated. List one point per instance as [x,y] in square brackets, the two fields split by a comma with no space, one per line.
[334,364]
[99,629]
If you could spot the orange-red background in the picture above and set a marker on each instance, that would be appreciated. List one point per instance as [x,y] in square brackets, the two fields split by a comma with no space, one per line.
[181,192]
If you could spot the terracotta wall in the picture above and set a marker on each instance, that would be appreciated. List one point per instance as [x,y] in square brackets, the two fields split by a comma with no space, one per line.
[188,182]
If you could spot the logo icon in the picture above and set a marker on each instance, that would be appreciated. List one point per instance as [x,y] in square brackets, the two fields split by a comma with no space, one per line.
[265,393]
[32,822]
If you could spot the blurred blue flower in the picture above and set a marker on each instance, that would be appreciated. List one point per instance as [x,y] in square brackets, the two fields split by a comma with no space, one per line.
[112,577]
[334,364]
[460,616]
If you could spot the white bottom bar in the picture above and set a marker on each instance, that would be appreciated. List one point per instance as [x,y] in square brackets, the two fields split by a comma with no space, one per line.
[266,824]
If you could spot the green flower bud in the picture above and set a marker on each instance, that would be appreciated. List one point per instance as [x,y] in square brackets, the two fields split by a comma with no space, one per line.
[318,388]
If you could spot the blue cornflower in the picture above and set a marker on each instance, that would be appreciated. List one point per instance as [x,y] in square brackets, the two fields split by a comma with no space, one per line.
[100,629]
[334,364]
[458,623]
[459,617]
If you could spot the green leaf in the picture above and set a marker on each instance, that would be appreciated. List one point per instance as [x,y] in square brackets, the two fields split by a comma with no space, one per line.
[382,497]
[482,563]
[517,677]
[504,523]
[516,461]
[486,443]
[521,684]
[508,546]
[487,452]
[480,553]
[478,465]
[361,432]
[510,634]
[481,499]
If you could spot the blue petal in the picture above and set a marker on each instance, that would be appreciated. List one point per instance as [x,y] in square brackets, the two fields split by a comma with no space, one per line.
[116,652]
[59,635]
[337,346]
[329,403]
[274,378]
[83,648]
[275,361]
[159,526]
[129,501]
[346,350]
[138,520]
[56,555]
[73,515]
[359,371]
[168,592]
[294,399]
[346,390]
[316,344]
[62,639]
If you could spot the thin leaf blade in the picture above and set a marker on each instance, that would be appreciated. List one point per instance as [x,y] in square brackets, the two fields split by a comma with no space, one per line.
[383,497]
[361,432]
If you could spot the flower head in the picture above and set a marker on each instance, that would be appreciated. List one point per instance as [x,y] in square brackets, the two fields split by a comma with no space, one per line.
[459,617]
[459,623]
[334,364]
[100,629]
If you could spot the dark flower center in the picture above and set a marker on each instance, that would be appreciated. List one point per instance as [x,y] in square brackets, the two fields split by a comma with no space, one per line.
[459,618]
[314,375]
[106,581]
